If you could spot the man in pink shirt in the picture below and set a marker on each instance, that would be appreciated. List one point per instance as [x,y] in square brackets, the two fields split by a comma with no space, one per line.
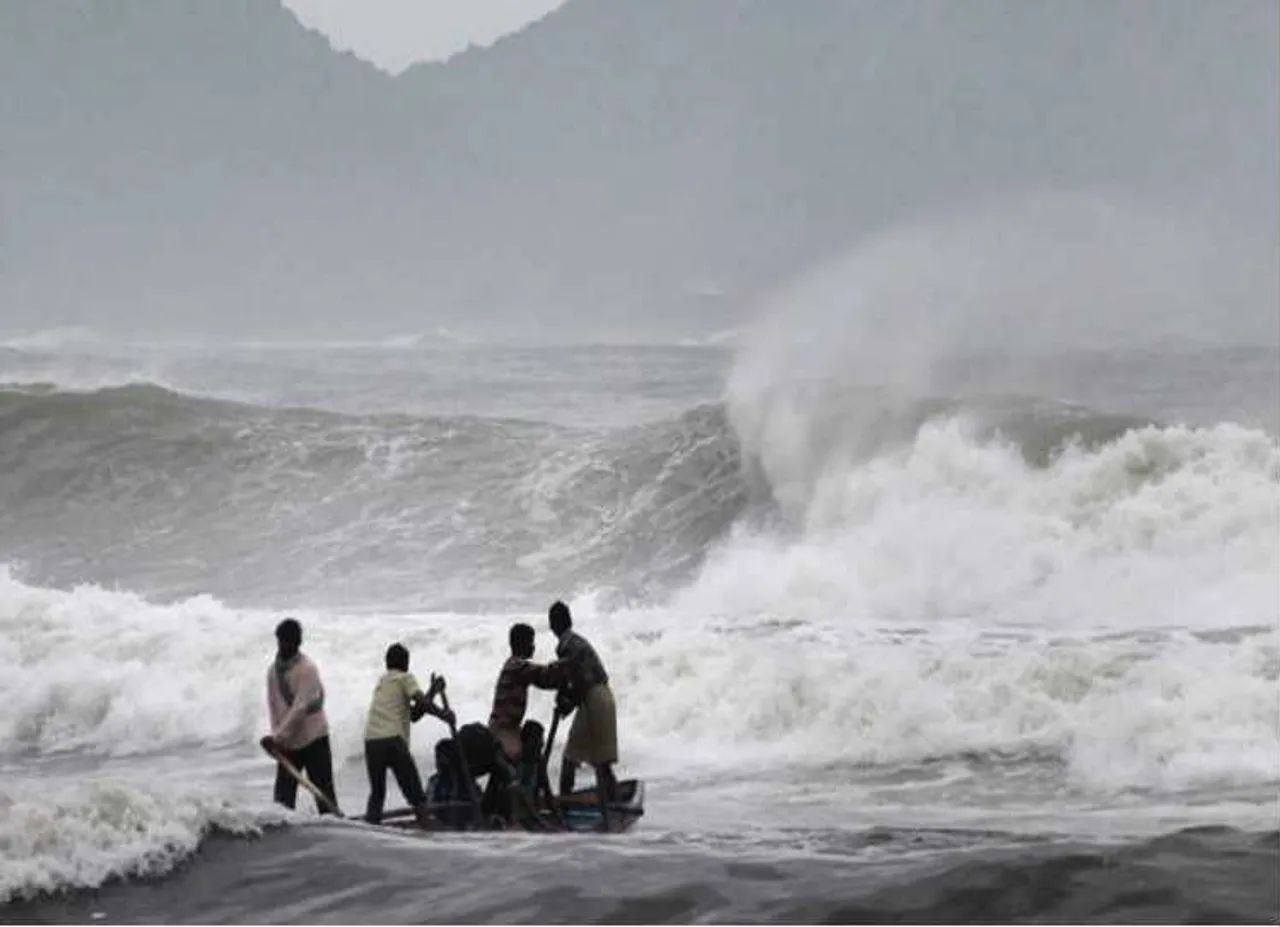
[299,728]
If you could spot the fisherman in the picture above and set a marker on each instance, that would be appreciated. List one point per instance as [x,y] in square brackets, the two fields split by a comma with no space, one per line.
[593,738]
[447,791]
[511,692]
[475,753]
[398,701]
[299,728]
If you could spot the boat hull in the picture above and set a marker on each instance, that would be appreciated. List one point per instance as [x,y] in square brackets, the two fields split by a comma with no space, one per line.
[580,812]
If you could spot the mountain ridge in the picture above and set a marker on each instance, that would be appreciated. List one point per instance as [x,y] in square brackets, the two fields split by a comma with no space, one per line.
[221,167]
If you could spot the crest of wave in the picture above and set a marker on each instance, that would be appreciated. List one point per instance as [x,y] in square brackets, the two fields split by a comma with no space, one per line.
[842,356]
[80,836]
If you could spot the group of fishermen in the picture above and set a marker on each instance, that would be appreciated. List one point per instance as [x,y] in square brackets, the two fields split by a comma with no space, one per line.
[508,749]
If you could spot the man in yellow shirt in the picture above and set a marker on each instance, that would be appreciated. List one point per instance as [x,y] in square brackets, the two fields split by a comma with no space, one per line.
[398,701]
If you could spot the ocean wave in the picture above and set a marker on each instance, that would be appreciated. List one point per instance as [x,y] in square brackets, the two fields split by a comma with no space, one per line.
[181,493]
[53,339]
[877,875]
[149,483]
[720,690]
[1193,875]
[1154,679]
[58,836]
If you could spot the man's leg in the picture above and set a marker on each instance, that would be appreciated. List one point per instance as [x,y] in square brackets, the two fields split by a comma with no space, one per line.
[497,799]
[375,763]
[607,783]
[286,788]
[580,745]
[568,773]
[318,761]
[606,791]
[407,777]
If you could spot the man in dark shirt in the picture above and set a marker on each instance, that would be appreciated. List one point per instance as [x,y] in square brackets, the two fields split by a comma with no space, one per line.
[593,738]
[511,692]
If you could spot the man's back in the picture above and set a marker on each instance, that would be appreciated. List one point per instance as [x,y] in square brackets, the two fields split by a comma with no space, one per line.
[295,702]
[585,666]
[390,710]
[511,691]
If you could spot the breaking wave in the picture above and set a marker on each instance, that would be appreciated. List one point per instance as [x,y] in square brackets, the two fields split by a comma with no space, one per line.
[84,835]
[151,483]
[181,494]
[891,598]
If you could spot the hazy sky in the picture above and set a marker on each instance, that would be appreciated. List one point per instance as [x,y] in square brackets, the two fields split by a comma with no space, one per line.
[393,34]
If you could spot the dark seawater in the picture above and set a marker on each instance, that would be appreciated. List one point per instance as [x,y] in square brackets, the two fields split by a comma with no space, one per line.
[323,874]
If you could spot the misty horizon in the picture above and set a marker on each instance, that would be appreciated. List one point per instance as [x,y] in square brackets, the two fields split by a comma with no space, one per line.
[626,171]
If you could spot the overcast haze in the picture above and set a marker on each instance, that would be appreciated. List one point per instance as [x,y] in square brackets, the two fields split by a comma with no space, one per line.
[890,387]
[616,168]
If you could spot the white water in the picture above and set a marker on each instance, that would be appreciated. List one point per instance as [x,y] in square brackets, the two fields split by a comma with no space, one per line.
[65,833]
[1066,626]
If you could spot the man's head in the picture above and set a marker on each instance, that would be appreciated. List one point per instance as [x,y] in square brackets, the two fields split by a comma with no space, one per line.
[398,658]
[288,637]
[560,618]
[521,639]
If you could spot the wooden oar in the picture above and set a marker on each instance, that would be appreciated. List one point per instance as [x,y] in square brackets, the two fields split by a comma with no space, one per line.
[462,759]
[303,780]
[545,768]
[551,739]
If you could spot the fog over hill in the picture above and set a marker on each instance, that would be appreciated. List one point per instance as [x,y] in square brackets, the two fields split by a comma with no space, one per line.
[621,166]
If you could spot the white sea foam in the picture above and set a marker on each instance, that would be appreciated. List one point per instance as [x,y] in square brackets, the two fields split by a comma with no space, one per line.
[871,633]
[55,836]
[1113,613]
